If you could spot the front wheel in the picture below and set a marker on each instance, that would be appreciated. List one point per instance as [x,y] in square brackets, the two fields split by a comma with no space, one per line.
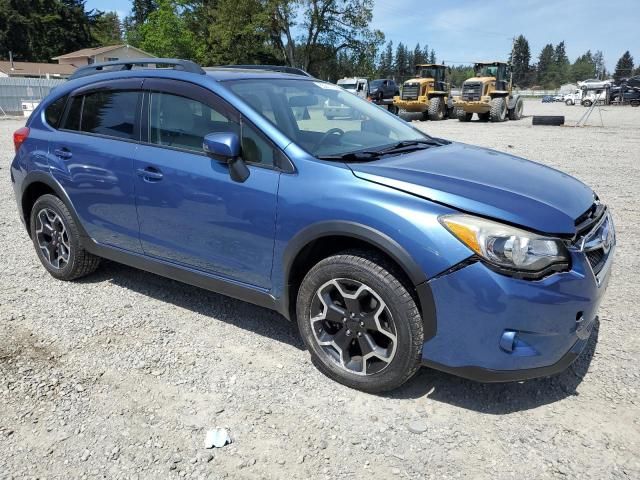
[360,322]
[463,116]
[569,102]
[498,112]
[436,109]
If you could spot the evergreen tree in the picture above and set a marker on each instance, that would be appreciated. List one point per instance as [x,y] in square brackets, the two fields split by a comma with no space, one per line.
[520,58]
[401,62]
[107,29]
[418,56]
[583,68]
[598,61]
[624,67]
[562,64]
[545,64]
[386,62]
[432,56]
[141,9]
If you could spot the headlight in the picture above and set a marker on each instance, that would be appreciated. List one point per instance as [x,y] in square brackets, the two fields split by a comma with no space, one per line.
[505,246]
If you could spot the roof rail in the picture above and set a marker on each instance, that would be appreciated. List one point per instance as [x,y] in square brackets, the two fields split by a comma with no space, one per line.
[129,63]
[268,68]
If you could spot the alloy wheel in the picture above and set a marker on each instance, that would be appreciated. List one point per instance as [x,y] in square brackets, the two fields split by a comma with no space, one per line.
[353,326]
[52,238]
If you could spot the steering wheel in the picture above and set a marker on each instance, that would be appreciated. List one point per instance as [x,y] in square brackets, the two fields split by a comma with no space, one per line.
[333,131]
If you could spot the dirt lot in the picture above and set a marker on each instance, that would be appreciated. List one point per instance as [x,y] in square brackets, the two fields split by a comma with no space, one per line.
[120,375]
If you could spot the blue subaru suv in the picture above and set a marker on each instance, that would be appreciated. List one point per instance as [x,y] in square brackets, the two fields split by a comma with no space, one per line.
[390,248]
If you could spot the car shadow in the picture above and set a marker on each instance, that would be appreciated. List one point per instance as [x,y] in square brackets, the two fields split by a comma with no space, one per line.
[491,398]
[499,398]
[241,314]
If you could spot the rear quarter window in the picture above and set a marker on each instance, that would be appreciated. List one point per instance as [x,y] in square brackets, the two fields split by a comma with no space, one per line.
[53,113]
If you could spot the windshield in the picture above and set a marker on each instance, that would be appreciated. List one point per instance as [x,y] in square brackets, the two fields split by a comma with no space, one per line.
[486,71]
[322,118]
[427,72]
[347,86]
[376,83]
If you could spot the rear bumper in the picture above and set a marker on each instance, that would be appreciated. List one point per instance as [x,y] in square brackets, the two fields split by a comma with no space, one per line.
[495,328]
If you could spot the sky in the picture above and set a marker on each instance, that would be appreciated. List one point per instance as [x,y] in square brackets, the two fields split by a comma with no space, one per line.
[463,31]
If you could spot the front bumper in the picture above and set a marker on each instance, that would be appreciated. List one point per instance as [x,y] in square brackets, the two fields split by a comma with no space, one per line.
[414,106]
[495,328]
[476,106]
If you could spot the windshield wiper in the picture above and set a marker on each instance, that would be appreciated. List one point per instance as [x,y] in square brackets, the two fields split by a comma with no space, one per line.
[353,156]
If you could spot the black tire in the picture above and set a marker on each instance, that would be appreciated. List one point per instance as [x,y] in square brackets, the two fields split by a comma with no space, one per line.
[569,102]
[463,116]
[79,262]
[436,109]
[424,116]
[555,120]
[516,112]
[398,306]
[635,103]
[498,112]
[484,117]
[586,103]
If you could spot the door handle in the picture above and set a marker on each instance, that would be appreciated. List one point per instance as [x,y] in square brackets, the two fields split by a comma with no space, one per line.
[150,174]
[63,153]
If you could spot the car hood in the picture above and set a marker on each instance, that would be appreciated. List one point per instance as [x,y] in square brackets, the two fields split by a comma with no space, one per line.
[487,183]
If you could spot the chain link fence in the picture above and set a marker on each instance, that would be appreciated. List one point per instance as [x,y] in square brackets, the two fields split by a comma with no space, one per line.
[16,91]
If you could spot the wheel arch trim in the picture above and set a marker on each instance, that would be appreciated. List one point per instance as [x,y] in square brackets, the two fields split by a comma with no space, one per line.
[44,178]
[375,238]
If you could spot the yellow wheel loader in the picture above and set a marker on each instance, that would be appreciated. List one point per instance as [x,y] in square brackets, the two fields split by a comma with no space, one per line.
[429,93]
[489,94]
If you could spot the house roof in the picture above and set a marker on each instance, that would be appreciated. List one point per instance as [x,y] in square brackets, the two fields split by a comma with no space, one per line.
[90,52]
[32,68]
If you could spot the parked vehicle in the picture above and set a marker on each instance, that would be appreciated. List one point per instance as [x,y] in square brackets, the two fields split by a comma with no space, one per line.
[489,94]
[429,93]
[595,83]
[589,97]
[390,248]
[382,91]
[357,86]
[548,99]
[626,94]
[558,97]
[574,97]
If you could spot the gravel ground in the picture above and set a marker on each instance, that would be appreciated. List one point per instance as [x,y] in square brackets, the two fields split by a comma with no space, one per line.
[120,375]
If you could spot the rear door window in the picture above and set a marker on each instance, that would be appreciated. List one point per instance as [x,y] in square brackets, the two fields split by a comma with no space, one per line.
[74,114]
[111,113]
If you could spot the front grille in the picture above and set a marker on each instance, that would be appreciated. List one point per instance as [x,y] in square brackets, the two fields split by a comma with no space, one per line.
[597,259]
[585,222]
[471,91]
[410,91]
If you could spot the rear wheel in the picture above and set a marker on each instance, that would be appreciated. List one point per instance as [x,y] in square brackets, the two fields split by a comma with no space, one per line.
[436,109]
[56,238]
[484,117]
[360,323]
[463,116]
[516,112]
[586,103]
[498,112]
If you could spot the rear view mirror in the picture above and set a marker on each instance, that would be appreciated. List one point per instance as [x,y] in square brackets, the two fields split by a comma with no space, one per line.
[303,101]
[225,146]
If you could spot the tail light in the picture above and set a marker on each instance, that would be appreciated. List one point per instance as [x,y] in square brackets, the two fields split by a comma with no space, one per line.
[19,136]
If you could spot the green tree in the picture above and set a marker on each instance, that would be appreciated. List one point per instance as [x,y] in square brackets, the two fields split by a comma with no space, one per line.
[165,32]
[459,74]
[37,30]
[520,58]
[401,66]
[385,69]
[561,64]
[598,61]
[238,34]
[141,9]
[106,29]
[624,67]
[583,68]
[545,65]
[323,28]
[418,55]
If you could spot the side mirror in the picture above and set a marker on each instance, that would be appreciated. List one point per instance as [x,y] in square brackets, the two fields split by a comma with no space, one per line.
[225,146]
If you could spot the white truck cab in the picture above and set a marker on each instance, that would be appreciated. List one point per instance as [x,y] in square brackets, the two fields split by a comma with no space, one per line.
[358,86]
